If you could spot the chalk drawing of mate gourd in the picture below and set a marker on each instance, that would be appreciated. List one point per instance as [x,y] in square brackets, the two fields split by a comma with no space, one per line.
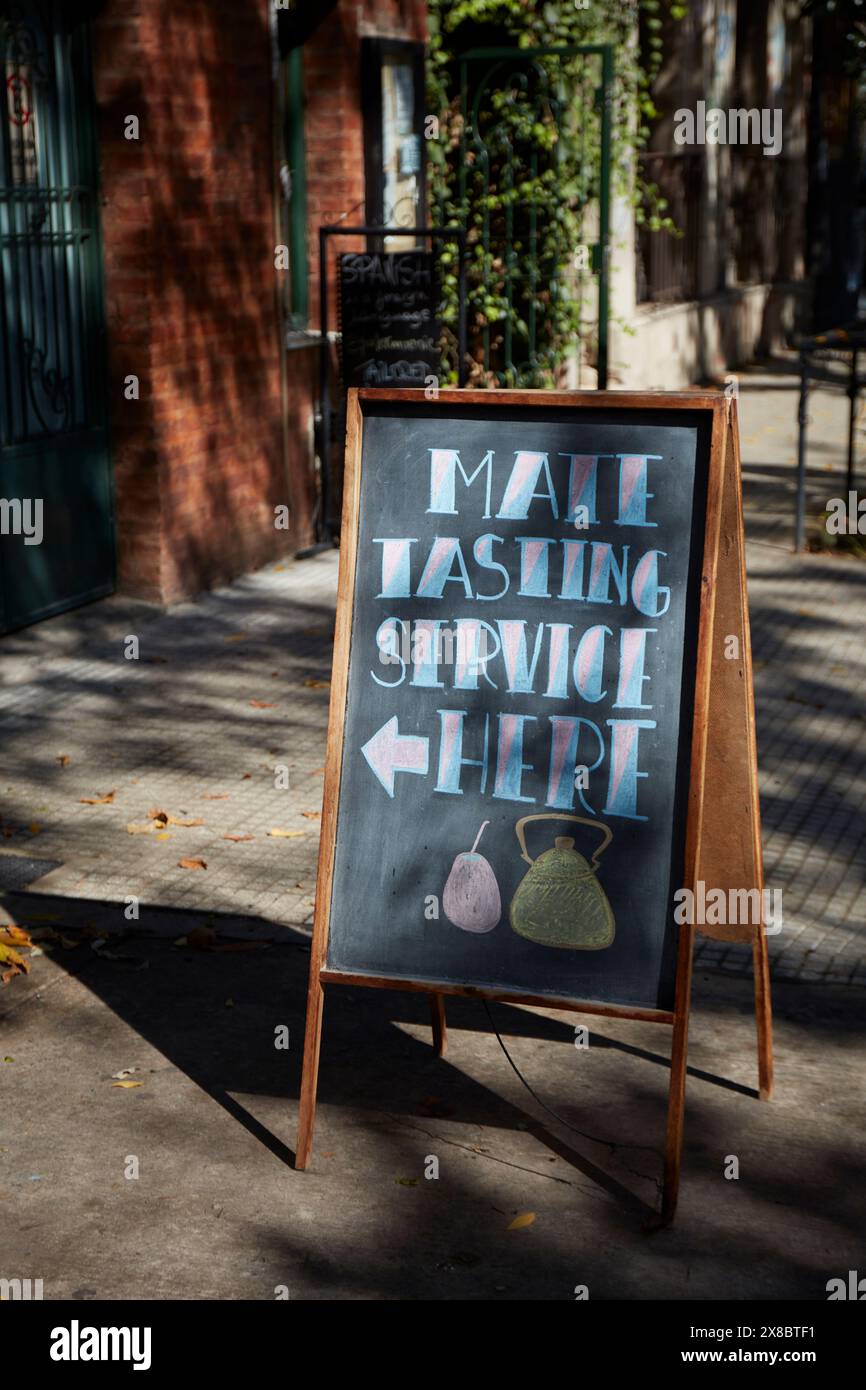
[560,901]
[471,898]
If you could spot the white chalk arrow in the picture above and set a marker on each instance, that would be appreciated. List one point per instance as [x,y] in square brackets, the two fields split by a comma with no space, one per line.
[389,752]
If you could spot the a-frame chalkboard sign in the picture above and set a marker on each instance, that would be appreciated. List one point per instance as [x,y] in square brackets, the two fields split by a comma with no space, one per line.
[541,733]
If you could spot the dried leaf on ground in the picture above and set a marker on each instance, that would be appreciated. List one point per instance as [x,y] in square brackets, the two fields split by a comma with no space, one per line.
[126,1085]
[521,1221]
[206,939]
[118,955]
[124,1073]
[312,815]
[10,935]
[200,938]
[134,829]
[278,834]
[191,864]
[63,759]
[96,800]
[91,932]
[434,1108]
[313,684]
[165,818]
[262,704]
[14,963]
[238,838]
[215,796]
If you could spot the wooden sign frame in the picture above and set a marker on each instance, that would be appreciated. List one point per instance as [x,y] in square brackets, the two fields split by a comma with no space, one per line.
[723,832]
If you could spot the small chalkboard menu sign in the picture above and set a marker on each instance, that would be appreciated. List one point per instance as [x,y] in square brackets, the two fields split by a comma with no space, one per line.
[389,322]
[519,734]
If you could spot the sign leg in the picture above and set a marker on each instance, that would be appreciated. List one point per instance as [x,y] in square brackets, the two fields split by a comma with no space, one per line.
[763,1014]
[677,1094]
[731,856]
[440,1029]
[676,1115]
[310,1074]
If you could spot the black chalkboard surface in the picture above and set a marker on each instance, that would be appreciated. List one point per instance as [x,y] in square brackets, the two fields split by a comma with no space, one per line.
[388,318]
[517,724]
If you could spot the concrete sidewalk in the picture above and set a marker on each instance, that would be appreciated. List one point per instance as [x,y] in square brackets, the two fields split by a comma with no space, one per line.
[225,691]
[183,1187]
[808,615]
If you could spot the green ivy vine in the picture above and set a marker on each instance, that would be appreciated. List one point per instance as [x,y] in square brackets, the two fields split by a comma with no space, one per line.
[523,176]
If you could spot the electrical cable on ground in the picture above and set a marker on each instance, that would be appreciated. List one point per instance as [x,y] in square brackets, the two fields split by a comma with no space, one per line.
[594,1138]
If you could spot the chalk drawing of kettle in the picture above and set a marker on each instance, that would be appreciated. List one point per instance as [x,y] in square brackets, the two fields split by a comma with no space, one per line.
[560,901]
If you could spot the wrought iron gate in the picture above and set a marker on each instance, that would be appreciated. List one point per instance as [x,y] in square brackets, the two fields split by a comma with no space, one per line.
[57,541]
[526,261]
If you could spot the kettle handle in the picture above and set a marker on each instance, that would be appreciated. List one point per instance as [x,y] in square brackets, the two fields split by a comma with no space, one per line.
[551,815]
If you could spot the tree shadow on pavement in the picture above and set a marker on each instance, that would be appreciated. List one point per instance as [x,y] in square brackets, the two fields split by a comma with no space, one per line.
[387,1104]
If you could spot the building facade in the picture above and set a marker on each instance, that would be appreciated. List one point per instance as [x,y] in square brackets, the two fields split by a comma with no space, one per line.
[167,167]
[734,284]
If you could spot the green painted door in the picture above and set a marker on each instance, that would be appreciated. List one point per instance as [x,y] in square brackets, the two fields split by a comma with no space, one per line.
[56,519]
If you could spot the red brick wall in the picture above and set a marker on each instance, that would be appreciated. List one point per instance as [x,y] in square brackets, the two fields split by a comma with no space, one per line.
[189,262]
[334,132]
[202,458]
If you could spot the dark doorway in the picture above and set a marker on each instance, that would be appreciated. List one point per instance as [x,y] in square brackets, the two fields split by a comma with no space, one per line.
[56,514]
